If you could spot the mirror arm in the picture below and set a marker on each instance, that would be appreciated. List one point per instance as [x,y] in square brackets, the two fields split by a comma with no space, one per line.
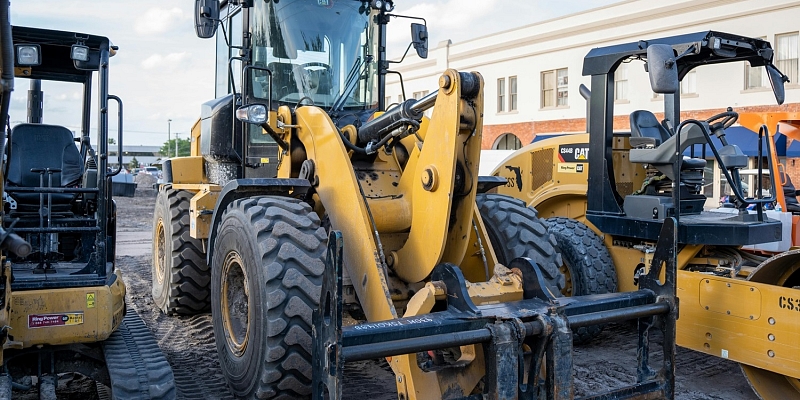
[424,22]
[274,135]
[404,55]
[402,86]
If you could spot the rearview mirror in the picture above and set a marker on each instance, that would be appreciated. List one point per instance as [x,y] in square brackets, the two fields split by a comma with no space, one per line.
[777,79]
[419,37]
[206,16]
[663,68]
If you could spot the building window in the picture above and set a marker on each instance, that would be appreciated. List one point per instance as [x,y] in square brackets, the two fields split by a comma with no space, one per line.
[621,82]
[754,77]
[399,98]
[388,101]
[512,93]
[786,55]
[507,141]
[501,94]
[554,88]
[419,95]
[689,83]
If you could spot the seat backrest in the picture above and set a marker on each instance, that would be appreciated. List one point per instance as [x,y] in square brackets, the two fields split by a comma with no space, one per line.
[43,146]
[645,124]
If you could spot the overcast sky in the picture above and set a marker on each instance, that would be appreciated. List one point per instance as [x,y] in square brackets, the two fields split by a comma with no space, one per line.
[163,71]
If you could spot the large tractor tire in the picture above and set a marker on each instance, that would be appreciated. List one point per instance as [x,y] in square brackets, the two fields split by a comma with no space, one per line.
[179,272]
[779,270]
[266,280]
[588,267]
[515,230]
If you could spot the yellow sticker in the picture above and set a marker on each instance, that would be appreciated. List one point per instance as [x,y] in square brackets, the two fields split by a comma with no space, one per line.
[265,160]
[89,300]
[570,168]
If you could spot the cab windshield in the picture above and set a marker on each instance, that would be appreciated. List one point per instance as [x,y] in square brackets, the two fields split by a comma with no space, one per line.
[312,47]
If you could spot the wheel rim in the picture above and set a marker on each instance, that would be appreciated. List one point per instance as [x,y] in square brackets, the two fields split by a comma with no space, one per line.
[567,290]
[780,270]
[161,252]
[235,304]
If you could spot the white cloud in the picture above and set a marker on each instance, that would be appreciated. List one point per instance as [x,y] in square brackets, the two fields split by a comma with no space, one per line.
[170,61]
[159,20]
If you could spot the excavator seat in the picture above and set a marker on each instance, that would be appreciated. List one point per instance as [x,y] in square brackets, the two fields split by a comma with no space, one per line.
[39,146]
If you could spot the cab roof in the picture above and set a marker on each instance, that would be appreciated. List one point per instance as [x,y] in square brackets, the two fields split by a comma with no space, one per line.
[56,63]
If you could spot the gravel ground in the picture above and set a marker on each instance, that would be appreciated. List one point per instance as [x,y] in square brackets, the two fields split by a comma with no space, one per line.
[188,342]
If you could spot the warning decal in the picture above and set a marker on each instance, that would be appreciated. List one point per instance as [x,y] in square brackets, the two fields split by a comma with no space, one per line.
[573,152]
[90,300]
[47,320]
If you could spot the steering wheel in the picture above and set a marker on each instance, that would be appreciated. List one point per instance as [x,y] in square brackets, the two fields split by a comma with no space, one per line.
[723,120]
[310,80]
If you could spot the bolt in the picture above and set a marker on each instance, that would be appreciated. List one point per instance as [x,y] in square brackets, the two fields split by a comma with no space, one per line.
[771,353]
[445,82]
[752,289]
[706,346]
[706,280]
[399,378]
[729,312]
[771,337]
[706,307]
[708,335]
[771,321]
[729,285]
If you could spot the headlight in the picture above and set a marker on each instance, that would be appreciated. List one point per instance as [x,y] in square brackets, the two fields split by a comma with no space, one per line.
[79,53]
[252,114]
[28,55]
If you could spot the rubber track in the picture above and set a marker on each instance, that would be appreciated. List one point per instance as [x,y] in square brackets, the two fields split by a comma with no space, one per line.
[137,368]
[516,231]
[190,291]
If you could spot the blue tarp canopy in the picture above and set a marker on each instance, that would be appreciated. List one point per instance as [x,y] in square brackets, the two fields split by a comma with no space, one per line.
[747,141]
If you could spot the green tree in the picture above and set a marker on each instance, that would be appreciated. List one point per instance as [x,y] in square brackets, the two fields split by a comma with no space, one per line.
[111,140]
[134,163]
[168,149]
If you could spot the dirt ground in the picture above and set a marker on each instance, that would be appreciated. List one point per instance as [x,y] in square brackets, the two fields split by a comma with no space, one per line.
[188,342]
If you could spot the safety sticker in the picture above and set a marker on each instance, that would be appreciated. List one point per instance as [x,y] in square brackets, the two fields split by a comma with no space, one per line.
[48,320]
[90,300]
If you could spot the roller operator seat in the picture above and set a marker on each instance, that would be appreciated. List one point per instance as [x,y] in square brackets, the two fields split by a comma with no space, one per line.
[653,144]
[38,146]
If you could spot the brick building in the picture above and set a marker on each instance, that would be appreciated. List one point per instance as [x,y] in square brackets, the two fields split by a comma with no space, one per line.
[532,73]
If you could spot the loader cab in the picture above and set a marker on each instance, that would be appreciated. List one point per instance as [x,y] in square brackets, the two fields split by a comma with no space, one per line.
[328,54]
[670,184]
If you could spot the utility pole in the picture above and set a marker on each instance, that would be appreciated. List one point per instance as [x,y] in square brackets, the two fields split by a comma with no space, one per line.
[169,127]
[176,144]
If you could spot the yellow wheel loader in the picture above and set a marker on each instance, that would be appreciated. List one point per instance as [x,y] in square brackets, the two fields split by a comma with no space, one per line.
[63,300]
[617,187]
[323,226]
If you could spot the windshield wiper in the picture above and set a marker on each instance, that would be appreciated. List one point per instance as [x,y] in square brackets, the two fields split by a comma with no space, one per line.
[350,84]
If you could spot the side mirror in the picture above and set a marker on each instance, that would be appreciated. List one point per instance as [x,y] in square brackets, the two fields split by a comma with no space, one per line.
[662,68]
[419,37]
[206,16]
[257,85]
[777,79]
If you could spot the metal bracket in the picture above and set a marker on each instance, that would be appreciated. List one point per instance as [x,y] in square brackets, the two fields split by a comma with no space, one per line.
[328,364]
[457,294]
